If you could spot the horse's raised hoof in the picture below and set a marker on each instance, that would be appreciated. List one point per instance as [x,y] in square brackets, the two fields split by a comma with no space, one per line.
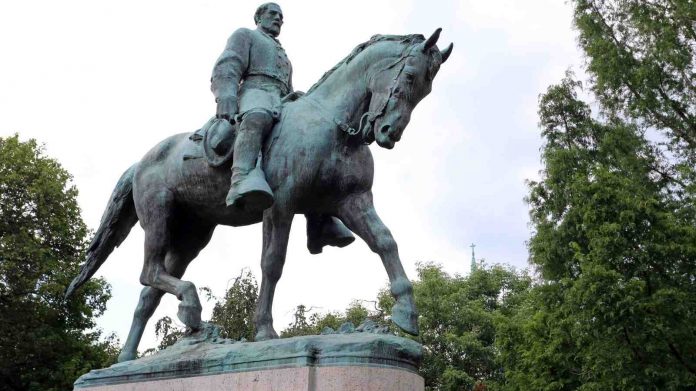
[404,315]
[265,333]
[331,233]
[126,356]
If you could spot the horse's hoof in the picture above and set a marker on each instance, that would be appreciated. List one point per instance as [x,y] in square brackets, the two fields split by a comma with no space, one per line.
[331,233]
[190,315]
[405,317]
[126,356]
[265,333]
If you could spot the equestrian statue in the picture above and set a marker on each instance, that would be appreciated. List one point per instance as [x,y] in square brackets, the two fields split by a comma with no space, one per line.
[289,153]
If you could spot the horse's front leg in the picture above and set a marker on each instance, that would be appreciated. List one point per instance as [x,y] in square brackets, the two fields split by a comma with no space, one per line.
[358,213]
[276,231]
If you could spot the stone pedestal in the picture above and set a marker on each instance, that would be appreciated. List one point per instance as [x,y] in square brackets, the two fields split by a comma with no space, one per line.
[348,378]
[335,362]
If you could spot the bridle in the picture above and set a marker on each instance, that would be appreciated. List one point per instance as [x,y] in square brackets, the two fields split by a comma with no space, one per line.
[368,133]
[367,120]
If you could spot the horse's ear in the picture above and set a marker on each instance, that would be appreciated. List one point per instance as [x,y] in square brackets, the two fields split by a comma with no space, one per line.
[446,53]
[432,40]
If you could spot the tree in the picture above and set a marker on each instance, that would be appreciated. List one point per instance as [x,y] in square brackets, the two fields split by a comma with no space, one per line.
[615,246]
[614,213]
[300,324]
[235,313]
[45,341]
[641,55]
[459,319]
[168,332]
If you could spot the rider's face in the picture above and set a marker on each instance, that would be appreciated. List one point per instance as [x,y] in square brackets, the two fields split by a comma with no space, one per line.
[271,20]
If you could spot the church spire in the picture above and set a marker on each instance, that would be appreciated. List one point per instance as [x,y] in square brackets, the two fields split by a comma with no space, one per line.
[474,265]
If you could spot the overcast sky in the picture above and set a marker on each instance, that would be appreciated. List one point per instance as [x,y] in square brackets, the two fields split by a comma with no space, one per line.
[101,82]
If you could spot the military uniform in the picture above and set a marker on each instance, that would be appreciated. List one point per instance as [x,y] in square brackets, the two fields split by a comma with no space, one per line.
[254,73]
[254,69]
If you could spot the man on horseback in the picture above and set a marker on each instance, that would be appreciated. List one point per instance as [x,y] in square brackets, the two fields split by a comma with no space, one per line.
[249,80]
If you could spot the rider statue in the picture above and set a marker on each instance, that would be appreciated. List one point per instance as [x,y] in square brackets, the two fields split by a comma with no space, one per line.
[249,80]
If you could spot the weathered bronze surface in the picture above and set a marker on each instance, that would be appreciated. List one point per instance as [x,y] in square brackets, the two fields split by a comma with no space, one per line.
[205,353]
[316,162]
[249,81]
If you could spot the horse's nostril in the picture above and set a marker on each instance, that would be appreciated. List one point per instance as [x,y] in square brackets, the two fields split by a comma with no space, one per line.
[384,129]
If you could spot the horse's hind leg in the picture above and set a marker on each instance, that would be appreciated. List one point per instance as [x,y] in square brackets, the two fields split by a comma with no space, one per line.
[276,231]
[147,303]
[358,213]
[186,244]
[157,216]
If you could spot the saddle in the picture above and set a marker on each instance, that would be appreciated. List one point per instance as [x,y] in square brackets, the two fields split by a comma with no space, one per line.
[218,134]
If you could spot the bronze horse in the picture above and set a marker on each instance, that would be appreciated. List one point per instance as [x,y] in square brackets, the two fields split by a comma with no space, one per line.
[316,163]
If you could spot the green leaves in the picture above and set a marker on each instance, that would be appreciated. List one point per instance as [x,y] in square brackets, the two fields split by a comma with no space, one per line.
[43,343]
[642,57]
[235,312]
[459,320]
[460,317]
[613,214]
[615,246]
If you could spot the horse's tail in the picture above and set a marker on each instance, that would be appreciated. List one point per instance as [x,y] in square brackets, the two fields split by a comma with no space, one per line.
[119,217]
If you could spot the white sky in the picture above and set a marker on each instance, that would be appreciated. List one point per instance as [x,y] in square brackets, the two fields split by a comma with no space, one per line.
[101,82]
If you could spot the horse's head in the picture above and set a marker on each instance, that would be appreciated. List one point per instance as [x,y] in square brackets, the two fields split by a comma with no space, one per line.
[397,88]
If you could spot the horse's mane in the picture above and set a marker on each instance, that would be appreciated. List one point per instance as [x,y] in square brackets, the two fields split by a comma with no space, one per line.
[407,40]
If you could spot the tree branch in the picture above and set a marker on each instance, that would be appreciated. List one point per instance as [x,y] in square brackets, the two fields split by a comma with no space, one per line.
[635,351]
[622,48]
[675,107]
[687,25]
[679,357]
[668,176]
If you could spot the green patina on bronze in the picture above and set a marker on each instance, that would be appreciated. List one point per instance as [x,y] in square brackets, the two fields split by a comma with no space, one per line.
[204,354]
[315,161]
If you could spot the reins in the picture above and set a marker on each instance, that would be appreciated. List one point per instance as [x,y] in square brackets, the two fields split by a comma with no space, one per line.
[367,120]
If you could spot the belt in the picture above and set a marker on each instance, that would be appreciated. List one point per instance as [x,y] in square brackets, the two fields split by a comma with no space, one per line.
[261,79]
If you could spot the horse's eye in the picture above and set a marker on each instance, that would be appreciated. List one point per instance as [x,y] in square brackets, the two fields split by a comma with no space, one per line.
[410,77]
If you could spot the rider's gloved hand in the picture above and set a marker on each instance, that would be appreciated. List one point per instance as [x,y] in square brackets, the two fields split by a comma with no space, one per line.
[226,107]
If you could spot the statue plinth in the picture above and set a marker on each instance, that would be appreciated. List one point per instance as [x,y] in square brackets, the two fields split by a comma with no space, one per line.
[356,361]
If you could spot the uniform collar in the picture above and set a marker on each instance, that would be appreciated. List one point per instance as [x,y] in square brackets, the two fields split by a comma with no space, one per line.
[268,35]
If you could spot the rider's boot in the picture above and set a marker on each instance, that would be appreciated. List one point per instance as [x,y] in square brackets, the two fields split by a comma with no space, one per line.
[249,189]
[325,230]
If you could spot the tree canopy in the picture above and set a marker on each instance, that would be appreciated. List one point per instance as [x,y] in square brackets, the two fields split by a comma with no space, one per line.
[613,213]
[616,249]
[459,319]
[642,56]
[45,341]
[235,312]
